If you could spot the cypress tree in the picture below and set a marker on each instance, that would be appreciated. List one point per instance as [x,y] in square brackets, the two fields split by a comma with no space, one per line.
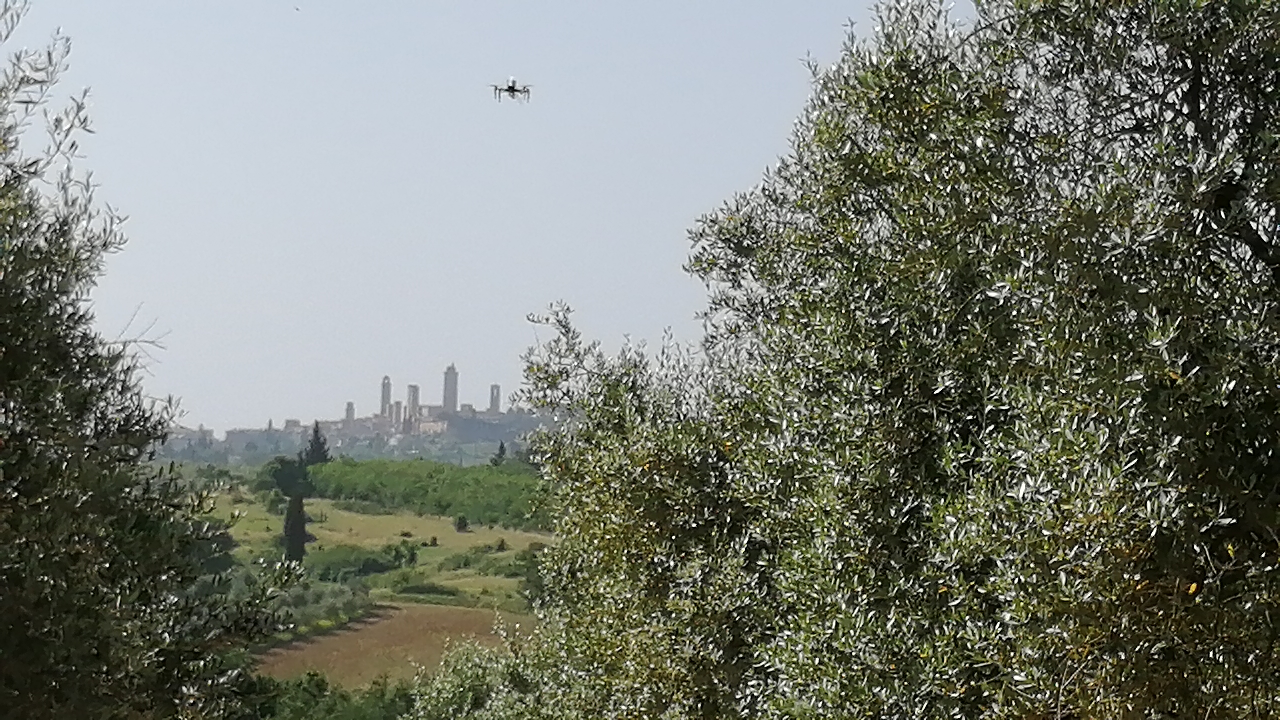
[317,452]
[290,476]
[295,530]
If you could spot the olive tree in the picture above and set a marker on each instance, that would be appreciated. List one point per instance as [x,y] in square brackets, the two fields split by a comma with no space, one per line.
[1012,299]
[985,421]
[105,608]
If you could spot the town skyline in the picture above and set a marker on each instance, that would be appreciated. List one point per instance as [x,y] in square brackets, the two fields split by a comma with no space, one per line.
[400,428]
[396,410]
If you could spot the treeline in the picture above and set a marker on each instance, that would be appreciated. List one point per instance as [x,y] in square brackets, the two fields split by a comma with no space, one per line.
[505,495]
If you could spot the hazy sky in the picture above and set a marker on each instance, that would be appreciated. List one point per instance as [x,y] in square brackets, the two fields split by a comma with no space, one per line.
[321,193]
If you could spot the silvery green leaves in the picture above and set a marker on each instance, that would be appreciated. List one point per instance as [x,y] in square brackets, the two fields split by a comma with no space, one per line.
[643,589]
[983,259]
[107,604]
[985,421]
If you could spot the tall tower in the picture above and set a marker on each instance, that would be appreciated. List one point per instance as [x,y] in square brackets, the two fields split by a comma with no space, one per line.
[386,396]
[412,403]
[350,417]
[397,415]
[495,398]
[450,389]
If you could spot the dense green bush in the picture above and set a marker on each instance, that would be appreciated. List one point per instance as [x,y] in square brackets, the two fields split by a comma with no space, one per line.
[313,697]
[503,495]
[364,507]
[484,559]
[525,565]
[480,683]
[340,562]
[274,501]
[426,587]
[312,602]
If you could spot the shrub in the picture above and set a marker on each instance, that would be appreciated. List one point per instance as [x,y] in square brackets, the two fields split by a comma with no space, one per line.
[426,587]
[275,502]
[460,561]
[312,697]
[363,507]
[482,558]
[341,562]
[475,682]
[314,601]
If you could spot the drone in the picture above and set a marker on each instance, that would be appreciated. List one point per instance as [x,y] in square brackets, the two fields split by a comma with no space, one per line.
[511,90]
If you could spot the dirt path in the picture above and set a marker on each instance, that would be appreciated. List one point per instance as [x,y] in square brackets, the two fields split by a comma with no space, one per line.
[386,643]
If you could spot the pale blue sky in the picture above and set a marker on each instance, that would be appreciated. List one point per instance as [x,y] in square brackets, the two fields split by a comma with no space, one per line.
[322,196]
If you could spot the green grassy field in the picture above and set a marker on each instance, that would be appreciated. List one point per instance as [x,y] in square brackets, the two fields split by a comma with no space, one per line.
[431,584]
[256,532]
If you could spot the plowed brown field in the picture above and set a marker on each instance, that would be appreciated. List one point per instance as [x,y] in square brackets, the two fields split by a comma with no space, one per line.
[385,643]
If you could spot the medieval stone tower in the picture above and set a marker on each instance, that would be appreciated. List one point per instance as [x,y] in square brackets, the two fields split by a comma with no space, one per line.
[450,389]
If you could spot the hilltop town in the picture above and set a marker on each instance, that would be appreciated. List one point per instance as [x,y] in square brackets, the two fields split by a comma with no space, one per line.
[408,427]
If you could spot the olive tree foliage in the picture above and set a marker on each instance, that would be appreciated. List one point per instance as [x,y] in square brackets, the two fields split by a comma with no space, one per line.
[641,615]
[1013,301]
[482,683]
[104,612]
[653,601]
[985,421]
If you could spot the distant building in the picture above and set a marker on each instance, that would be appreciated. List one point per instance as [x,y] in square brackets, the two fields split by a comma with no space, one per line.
[431,427]
[495,398]
[450,389]
[199,436]
[412,404]
[397,414]
[271,440]
[386,396]
[328,428]
[350,416]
